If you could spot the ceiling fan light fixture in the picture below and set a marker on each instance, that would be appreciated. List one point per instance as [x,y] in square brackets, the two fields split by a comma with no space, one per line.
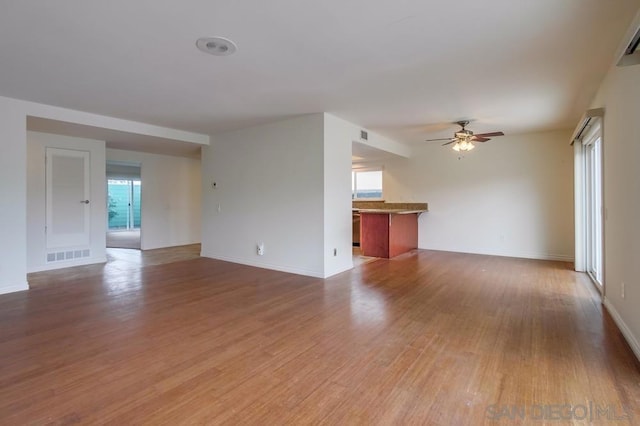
[463,145]
[463,139]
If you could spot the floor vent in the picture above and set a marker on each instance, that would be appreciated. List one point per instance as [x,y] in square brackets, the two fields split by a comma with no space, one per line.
[60,256]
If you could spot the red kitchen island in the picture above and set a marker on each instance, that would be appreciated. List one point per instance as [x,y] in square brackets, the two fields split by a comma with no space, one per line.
[388,232]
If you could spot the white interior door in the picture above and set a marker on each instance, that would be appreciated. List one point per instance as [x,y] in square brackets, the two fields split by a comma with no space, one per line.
[68,198]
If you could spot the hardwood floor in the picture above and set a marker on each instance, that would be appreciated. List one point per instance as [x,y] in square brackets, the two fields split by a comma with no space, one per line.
[126,238]
[427,338]
[119,262]
[359,259]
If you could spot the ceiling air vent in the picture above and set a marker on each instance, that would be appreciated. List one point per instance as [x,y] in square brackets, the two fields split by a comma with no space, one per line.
[631,55]
[364,135]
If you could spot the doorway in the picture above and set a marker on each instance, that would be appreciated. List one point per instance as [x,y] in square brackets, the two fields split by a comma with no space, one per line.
[124,205]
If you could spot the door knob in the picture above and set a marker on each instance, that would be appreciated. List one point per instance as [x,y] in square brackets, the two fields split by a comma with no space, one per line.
[85,201]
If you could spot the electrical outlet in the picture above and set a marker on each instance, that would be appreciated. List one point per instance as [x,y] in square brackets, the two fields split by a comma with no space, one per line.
[260,249]
[622,289]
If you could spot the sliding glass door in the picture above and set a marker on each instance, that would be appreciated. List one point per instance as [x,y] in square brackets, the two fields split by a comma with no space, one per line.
[124,204]
[592,154]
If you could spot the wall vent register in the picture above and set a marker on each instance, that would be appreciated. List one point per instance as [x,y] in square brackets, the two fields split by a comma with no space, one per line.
[60,256]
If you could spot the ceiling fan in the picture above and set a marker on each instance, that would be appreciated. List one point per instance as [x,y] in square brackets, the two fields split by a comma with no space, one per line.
[464,138]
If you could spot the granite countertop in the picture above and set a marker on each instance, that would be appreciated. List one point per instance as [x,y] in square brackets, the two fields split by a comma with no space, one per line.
[389,211]
[381,207]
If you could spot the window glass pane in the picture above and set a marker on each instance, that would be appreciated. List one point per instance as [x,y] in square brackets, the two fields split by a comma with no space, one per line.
[593,208]
[123,204]
[118,203]
[353,184]
[136,204]
[368,184]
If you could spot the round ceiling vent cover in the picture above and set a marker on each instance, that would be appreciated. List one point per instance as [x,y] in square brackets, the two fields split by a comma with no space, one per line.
[218,46]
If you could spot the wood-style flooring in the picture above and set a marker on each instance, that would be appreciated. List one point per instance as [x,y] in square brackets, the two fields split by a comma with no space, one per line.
[126,238]
[120,262]
[430,338]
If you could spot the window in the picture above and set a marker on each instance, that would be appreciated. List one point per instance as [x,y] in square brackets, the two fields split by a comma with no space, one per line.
[366,184]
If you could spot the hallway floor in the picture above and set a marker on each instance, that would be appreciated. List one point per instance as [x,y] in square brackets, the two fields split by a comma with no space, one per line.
[126,238]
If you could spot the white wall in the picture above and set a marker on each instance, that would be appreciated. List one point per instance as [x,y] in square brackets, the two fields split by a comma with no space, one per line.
[36,197]
[620,96]
[170,195]
[512,196]
[338,137]
[287,185]
[269,189]
[13,198]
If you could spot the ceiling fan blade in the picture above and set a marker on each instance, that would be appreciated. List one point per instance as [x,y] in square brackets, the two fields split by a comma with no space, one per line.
[441,139]
[449,143]
[484,135]
[477,138]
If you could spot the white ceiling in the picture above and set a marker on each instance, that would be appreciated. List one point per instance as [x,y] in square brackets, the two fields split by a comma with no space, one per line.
[403,68]
[361,152]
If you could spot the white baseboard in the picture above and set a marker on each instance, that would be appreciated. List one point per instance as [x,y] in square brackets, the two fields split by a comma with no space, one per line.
[339,270]
[63,264]
[266,265]
[13,288]
[145,247]
[520,255]
[557,257]
[624,329]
